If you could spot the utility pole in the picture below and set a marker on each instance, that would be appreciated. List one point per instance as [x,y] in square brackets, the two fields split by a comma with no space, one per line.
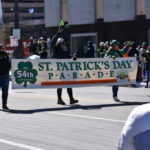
[16,15]
[17,49]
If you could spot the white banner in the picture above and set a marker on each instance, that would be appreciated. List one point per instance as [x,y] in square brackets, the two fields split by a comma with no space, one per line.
[45,73]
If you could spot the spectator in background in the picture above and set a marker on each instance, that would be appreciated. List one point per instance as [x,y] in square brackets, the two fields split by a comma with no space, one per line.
[80,52]
[106,45]
[127,46]
[139,77]
[133,51]
[141,58]
[136,132]
[146,55]
[43,55]
[42,45]
[4,76]
[34,57]
[32,47]
[90,50]
[101,50]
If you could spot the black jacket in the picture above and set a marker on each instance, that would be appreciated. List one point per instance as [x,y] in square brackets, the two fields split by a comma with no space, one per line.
[57,51]
[4,63]
[147,60]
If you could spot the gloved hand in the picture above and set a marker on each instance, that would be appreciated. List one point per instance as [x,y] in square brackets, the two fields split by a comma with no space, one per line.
[74,56]
[113,57]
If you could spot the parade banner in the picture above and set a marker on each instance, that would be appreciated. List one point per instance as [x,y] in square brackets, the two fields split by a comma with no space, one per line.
[56,73]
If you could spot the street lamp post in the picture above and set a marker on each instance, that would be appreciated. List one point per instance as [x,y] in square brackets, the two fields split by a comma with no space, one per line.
[17,50]
[16,25]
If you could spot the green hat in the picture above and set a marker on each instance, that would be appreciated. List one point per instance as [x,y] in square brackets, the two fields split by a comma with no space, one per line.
[144,44]
[114,43]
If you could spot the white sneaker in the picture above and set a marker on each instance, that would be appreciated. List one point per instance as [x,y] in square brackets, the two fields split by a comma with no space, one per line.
[116,99]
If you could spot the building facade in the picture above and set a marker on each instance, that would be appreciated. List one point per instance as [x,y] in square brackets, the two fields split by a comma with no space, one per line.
[100,20]
[96,20]
[30,12]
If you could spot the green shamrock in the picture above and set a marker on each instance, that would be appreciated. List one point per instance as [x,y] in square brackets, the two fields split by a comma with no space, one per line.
[25,73]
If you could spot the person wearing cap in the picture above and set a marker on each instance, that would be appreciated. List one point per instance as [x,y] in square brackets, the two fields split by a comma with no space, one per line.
[60,50]
[4,76]
[101,50]
[133,52]
[34,57]
[41,46]
[90,50]
[115,52]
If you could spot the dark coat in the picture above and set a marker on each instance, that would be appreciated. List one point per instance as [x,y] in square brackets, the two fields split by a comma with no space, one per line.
[57,49]
[147,60]
[90,50]
[4,63]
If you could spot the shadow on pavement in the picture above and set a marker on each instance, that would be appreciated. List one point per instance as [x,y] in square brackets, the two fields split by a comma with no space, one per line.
[73,107]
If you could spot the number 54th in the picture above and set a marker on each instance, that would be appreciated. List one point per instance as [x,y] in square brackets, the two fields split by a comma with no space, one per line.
[24,74]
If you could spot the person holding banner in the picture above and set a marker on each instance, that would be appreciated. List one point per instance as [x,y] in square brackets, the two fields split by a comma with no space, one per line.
[4,76]
[59,49]
[115,52]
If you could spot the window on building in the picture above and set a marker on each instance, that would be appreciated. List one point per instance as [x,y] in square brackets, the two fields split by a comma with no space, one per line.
[80,41]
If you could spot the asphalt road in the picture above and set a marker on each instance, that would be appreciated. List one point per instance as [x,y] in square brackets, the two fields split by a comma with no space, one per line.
[36,122]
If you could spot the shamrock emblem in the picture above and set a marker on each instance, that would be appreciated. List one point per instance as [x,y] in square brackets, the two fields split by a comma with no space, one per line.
[25,73]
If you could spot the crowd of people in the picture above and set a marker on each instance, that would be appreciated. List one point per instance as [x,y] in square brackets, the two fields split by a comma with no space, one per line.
[130,49]
[38,47]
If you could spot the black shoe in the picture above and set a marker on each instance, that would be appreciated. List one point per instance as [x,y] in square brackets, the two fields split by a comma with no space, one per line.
[5,108]
[116,99]
[61,102]
[73,101]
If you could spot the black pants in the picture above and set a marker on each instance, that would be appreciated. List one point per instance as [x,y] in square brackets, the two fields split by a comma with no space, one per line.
[69,91]
[115,90]
[4,84]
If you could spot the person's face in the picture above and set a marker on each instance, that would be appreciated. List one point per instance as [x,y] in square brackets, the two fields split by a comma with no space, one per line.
[116,47]
[63,43]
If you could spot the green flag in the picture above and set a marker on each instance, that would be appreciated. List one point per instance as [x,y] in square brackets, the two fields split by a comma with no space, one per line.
[61,23]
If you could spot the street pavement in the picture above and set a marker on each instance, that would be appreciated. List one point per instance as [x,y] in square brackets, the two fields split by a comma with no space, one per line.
[36,122]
